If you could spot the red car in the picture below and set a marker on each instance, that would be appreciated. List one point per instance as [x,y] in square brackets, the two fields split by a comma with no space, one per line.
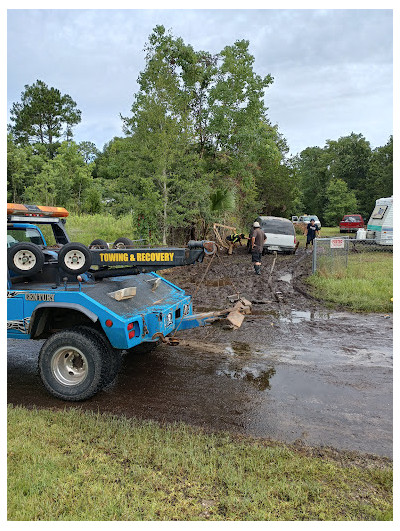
[351,223]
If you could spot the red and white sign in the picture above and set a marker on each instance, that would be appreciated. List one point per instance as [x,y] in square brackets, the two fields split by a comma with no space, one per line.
[337,243]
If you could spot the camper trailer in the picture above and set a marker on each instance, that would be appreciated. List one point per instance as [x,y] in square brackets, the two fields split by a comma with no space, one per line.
[380,224]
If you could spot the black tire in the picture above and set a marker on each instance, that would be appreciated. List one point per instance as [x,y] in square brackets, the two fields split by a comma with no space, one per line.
[74,258]
[98,244]
[123,243]
[25,258]
[71,365]
[112,357]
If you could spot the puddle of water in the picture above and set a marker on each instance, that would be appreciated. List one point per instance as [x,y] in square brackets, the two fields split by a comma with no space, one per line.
[260,379]
[287,277]
[298,316]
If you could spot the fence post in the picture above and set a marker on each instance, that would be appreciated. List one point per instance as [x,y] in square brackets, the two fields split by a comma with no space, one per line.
[314,257]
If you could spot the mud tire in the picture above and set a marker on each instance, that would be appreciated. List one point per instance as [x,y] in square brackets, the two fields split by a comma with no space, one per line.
[25,258]
[112,357]
[98,244]
[74,258]
[72,364]
[123,243]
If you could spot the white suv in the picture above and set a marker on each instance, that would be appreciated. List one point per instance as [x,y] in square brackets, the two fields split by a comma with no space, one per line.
[280,234]
[307,219]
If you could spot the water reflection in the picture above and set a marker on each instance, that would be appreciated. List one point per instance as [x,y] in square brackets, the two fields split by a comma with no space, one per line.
[260,379]
[298,316]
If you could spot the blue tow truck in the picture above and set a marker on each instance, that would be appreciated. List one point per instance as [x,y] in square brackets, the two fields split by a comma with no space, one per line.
[91,303]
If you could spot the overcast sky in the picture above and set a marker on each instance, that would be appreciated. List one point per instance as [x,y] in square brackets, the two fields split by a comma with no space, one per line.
[332,69]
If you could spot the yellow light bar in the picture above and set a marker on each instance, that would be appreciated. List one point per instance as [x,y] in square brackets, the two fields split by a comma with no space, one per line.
[36,211]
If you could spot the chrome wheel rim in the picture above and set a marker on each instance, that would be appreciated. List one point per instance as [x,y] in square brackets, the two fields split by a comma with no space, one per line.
[69,366]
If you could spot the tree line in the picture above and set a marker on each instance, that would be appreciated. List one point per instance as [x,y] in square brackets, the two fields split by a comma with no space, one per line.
[198,147]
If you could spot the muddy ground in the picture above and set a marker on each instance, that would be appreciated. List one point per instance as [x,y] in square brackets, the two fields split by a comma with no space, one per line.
[295,371]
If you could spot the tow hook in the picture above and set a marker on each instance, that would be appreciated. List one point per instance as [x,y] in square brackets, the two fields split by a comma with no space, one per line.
[172,341]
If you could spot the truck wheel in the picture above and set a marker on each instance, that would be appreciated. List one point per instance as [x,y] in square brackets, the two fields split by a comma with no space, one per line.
[112,358]
[123,243]
[71,365]
[25,258]
[74,258]
[98,244]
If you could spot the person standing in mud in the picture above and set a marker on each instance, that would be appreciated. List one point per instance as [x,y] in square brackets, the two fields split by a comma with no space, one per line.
[257,244]
[312,231]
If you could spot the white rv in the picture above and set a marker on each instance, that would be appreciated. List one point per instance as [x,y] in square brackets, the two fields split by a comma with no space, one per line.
[380,224]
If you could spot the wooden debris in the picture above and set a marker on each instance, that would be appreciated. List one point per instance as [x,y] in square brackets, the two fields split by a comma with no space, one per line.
[123,294]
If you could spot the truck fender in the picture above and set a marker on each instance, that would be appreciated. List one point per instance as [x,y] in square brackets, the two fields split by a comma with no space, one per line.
[66,305]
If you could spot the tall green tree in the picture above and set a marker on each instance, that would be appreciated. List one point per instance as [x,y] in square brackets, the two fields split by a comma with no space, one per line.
[339,201]
[164,170]
[43,115]
[24,164]
[65,180]
[313,169]
[379,181]
[88,151]
[367,173]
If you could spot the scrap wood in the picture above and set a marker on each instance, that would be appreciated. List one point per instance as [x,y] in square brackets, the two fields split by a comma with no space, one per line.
[222,241]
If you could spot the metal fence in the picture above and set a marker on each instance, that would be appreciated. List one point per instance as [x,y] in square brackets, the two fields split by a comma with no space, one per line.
[333,254]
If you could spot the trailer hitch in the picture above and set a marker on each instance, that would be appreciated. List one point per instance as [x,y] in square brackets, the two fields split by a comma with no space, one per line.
[172,341]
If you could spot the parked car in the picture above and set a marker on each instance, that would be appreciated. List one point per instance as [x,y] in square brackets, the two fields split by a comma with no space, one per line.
[281,236]
[351,223]
[306,219]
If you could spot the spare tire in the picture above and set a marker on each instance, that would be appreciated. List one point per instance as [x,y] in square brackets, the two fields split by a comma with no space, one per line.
[123,243]
[25,258]
[74,258]
[98,244]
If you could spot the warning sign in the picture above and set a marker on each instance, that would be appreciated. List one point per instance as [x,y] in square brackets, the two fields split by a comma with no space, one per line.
[337,243]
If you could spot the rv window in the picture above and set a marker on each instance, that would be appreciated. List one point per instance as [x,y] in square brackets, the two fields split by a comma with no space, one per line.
[379,212]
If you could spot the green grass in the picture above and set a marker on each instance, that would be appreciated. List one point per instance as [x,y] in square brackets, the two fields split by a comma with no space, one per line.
[74,465]
[85,228]
[365,285]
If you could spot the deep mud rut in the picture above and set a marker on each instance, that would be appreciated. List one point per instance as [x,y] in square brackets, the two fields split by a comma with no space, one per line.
[294,372]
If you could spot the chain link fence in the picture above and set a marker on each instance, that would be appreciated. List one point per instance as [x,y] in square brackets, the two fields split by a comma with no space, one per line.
[332,255]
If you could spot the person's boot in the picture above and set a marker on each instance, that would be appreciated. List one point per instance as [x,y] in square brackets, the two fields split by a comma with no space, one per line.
[257,269]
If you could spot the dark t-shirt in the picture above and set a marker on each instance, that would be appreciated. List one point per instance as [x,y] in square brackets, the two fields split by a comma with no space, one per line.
[311,231]
[259,236]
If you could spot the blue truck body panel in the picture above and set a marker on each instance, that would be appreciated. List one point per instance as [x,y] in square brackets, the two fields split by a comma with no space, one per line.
[151,312]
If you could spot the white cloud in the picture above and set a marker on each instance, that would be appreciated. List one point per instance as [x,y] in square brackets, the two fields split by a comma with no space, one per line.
[332,68]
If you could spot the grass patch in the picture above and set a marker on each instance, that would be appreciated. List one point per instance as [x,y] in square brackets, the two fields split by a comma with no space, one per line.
[85,228]
[75,465]
[365,285]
